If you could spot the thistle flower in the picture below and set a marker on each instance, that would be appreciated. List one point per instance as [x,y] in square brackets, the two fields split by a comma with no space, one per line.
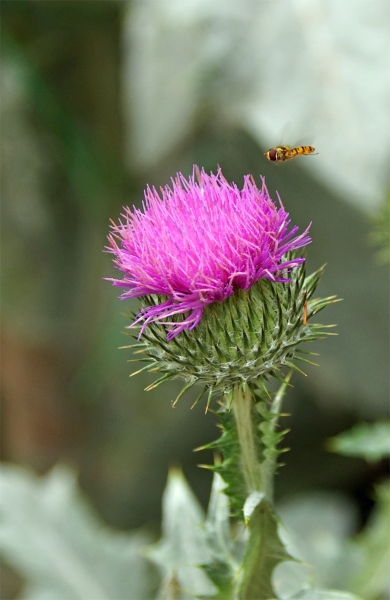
[200,242]
[218,277]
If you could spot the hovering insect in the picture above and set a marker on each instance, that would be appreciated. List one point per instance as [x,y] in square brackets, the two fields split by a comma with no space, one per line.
[282,153]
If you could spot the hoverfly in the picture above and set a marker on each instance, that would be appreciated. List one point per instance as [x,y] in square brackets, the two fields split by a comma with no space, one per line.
[282,153]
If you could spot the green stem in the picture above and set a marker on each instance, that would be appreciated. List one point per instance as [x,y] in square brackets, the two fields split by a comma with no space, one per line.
[250,465]
[264,549]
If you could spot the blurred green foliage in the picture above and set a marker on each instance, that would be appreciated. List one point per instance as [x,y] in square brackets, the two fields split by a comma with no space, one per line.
[371,442]
[380,234]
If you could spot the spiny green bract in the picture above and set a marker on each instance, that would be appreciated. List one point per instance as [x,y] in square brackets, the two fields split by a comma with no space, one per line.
[251,335]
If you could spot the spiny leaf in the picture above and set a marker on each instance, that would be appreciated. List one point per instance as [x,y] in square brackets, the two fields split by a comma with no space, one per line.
[230,467]
[264,552]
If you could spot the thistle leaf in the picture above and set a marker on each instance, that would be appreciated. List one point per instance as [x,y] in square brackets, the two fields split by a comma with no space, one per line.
[52,537]
[224,566]
[230,467]
[308,594]
[373,578]
[183,546]
[264,552]
[368,441]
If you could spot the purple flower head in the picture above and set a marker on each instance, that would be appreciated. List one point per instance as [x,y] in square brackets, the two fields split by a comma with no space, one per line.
[199,240]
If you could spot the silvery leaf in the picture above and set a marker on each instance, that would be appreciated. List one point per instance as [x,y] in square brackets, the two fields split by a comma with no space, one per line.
[51,536]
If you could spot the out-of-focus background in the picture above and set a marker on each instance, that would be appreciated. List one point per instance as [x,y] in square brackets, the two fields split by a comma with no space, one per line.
[99,98]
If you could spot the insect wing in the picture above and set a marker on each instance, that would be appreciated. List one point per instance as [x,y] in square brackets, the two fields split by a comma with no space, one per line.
[307,140]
